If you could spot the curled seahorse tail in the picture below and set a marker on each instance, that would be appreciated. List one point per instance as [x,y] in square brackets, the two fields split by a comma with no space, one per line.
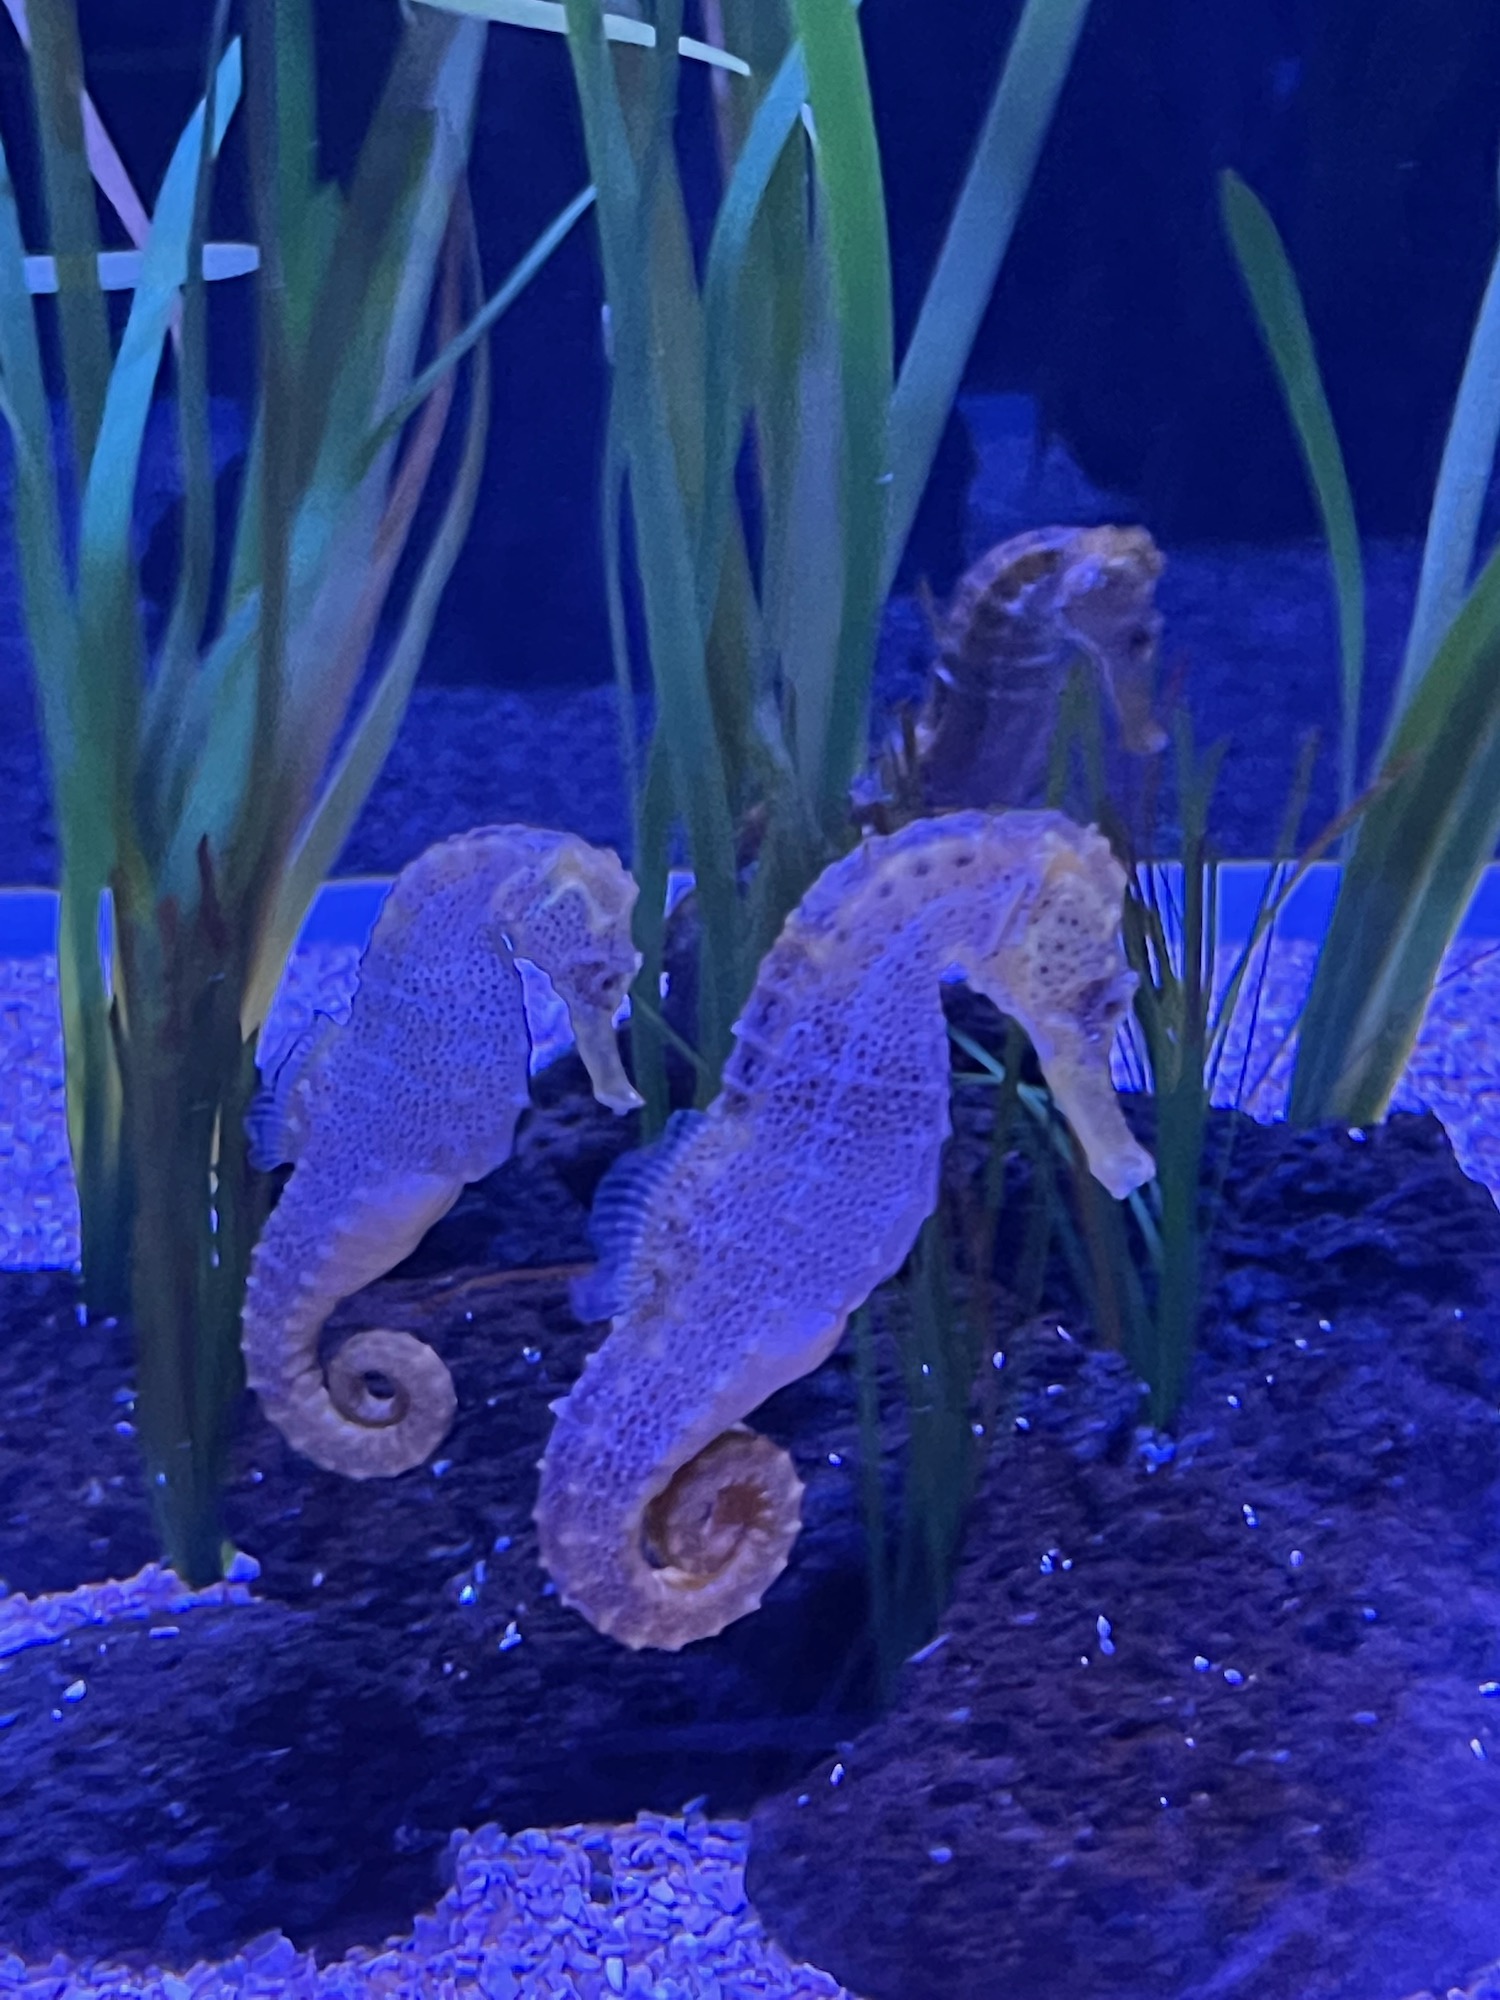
[346,1424]
[401,1429]
[303,1265]
[692,1558]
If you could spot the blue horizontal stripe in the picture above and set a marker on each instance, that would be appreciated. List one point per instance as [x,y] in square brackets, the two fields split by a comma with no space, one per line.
[344,911]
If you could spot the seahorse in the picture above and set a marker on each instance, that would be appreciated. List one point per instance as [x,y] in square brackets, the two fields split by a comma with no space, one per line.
[1017,621]
[733,1253]
[388,1116]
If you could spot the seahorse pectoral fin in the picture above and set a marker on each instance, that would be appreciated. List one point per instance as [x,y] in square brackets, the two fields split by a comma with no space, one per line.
[273,1122]
[620,1208]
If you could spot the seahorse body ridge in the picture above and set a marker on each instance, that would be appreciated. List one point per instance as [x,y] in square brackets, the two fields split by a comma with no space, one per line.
[389,1115]
[732,1255]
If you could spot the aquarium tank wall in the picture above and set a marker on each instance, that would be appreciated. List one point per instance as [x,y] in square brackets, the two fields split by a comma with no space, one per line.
[749,786]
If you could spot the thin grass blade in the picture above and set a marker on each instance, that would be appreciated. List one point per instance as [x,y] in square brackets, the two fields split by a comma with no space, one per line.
[1282,320]
[199,524]
[57,77]
[854,227]
[1457,504]
[104,161]
[978,236]
[484,321]
[726,396]
[666,538]
[323,835]
[396,222]
[1421,850]
[109,620]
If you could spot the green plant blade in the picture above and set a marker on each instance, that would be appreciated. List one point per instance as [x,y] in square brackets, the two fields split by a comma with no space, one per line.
[163,270]
[666,537]
[73,752]
[371,305]
[104,161]
[38,524]
[978,236]
[390,232]
[854,229]
[199,524]
[369,743]
[297,232]
[109,626]
[1457,503]
[488,316]
[726,394]
[395,224]
[57,80]
[807,565]
[1421,850]
[1282,320]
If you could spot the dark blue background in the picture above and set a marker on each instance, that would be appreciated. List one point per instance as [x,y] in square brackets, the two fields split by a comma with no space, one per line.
[1370,127]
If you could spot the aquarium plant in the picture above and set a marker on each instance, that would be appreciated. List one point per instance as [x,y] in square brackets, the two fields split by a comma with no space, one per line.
[765,373]
[1139,1265]
[767,363]
[1422,846]
[202,794]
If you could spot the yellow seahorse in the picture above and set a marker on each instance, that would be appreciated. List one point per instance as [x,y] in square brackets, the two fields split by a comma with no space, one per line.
[732,1253]
[390,1114]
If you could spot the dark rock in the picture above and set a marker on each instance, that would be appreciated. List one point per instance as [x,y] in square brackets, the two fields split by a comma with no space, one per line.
[301,1763]
[1217,1728]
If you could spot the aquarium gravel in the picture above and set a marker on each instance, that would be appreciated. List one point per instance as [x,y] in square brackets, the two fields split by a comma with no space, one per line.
[656,1910]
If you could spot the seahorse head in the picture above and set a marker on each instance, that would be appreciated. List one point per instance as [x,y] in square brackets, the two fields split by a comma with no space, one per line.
[567,910]
[1061,591]
[1059,968]
[1106,601]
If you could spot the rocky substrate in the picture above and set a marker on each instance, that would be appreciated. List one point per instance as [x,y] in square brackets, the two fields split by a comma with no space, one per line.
[1218,1721]
[299,1762]
[656,1909]
[296,1764]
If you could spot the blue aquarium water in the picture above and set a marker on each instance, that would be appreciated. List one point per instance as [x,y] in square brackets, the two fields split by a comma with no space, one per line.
[749,1108]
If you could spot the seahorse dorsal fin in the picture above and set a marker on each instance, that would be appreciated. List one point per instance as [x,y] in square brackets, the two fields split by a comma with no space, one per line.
[618,1216]
[272,1127]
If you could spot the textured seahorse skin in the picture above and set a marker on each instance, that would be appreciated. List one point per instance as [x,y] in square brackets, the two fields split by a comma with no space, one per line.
[418,1093]
[1018,620]
[732,1262]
